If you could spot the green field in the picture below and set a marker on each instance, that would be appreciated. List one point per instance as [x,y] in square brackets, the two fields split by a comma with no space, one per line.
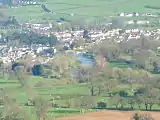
[88,9]
[15,91]
[49,88]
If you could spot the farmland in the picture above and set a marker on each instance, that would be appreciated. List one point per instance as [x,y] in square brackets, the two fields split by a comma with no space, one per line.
[50,89]
[120,78]
[58,71]
[109,115]
[62,92]
[91,9]
[121,82]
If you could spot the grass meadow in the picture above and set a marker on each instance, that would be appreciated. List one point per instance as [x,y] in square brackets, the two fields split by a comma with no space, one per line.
[87,9]
[51,88]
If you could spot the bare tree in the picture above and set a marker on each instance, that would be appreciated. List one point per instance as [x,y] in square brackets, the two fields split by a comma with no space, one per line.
[115,100]
[132,102]
[92,88]
[140,116]
[21,75]
[62,64]
[87,102]
[31,94]
[111,85]
[142,58]
[41,107]
[100,62]
[11,110]
[109,50]
[139,100]
[118,73]
[83,74]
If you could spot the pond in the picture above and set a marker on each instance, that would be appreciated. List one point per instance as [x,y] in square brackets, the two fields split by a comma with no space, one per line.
[84,60]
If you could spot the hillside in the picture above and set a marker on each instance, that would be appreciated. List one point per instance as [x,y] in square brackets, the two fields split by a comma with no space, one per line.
[72,9]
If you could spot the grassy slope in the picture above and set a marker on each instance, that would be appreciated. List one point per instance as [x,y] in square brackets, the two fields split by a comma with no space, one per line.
[89,8]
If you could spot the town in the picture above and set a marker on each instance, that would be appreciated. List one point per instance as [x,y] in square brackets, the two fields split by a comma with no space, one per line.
[74,60]
[66,38]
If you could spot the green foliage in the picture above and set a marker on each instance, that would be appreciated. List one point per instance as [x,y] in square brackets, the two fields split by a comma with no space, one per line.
[33,38]
[101,105]
[123,93]
[110,50]
[45,8]
[86,34]
[38,70]
[52,41]
[152,7]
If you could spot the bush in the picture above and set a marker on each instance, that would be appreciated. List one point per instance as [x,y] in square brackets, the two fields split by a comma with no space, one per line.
[101,105]
[30,102]
[139,91]
[55,105]
[38,70]
[139,116]
[123,94]
[152,7]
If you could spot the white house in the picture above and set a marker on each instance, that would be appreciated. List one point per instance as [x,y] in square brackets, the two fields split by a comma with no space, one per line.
[122,14]
[143,22]
[131,22]
[137,14]
[129,15]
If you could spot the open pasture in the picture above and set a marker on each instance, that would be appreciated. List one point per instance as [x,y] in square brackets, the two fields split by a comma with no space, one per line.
[71,9]
[61,92]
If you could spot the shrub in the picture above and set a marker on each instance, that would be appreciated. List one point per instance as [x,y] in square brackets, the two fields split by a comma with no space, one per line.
[123,94]
[139,116]
[152,7]
[101,105]
[55,105]
[139,91]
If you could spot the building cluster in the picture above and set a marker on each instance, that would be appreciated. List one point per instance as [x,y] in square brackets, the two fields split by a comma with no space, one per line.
[136,14]
[137,22]
[115,34]
[18,2]
[66,38]
[10,54]
[24,2]
[120,35]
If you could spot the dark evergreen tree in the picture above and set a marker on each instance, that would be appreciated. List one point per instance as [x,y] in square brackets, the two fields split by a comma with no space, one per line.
[86,34]
[155,67]
[52,40]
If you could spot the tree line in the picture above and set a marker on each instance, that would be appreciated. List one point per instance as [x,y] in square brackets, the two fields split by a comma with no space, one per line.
[30,38]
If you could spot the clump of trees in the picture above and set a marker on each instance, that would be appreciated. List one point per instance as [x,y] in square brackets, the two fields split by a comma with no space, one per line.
[31,38]
[152,7]
[12,111]
[102,79]
[45,8]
